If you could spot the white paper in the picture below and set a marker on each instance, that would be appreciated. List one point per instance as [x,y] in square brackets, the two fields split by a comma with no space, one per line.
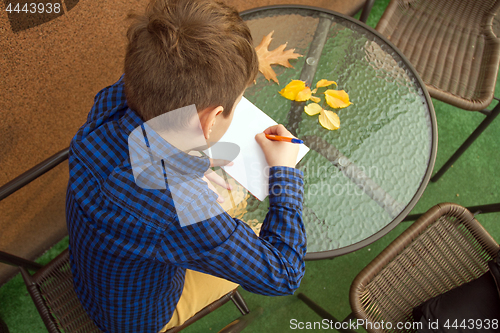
[250,168]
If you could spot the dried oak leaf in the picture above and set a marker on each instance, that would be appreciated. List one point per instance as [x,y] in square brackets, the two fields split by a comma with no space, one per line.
[278,56]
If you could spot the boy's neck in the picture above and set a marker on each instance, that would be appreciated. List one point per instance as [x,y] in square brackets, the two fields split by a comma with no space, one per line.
[185,141]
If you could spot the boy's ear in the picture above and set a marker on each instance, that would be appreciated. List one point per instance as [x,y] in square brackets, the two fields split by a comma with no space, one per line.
[208,117]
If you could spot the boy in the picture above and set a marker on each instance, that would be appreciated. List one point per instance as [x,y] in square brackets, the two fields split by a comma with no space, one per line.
[136,267]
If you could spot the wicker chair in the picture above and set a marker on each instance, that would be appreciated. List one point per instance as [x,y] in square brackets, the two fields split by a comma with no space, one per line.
[443,249]
[51,287]
[453,46]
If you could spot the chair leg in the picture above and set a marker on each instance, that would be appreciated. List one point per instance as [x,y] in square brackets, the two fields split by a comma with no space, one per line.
[325,314]
[239,324]
[467,142]
[366,10]
[240,302]
[3,327]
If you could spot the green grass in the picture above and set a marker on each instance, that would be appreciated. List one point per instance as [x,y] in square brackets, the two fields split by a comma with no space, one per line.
[472,181]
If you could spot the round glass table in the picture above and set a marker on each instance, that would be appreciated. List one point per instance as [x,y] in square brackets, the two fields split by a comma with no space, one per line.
[364,178]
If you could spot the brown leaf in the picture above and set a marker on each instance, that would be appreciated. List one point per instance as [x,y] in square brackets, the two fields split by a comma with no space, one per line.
[278,56]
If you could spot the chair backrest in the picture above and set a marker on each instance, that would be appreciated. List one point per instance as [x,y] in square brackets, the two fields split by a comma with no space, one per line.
[443,249]
[451,44]
[52,291]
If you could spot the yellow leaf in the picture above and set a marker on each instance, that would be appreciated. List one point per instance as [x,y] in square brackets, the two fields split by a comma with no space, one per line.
[303,95]
[292,89]
[277,56]
[315,99]
[337,99]
[315,90]
[324,83]
[329,120]
[312,109]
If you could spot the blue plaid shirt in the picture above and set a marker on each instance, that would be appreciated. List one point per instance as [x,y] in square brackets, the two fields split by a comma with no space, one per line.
[128,250]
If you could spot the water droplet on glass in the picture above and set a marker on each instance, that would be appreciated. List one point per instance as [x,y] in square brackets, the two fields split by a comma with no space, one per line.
[311,61]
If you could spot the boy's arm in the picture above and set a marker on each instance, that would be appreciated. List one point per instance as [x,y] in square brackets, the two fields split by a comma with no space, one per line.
[271,264]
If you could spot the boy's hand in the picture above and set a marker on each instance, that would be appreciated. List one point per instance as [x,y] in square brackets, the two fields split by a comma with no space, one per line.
[278,153]
[211,177]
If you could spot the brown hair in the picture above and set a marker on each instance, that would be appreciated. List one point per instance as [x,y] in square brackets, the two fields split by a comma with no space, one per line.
[184,52]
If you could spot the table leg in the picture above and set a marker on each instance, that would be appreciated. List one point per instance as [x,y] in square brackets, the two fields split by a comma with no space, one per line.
[326,315]
[309,70]
[483,209]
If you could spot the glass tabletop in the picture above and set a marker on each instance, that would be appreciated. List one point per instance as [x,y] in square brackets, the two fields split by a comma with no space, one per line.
[362,179]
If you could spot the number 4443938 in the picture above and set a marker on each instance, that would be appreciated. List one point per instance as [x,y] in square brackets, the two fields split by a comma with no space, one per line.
[476,324]
[34,8]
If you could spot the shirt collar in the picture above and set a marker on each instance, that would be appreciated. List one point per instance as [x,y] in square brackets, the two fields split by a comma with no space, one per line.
[176,161]
[154,149]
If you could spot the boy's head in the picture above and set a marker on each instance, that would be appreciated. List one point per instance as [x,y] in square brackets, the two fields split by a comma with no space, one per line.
[184,52]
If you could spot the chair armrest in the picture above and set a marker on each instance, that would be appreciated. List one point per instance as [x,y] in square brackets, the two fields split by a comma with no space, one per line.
[33,173]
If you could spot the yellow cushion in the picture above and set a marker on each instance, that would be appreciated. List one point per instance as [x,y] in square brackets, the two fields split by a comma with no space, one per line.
[199,291]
